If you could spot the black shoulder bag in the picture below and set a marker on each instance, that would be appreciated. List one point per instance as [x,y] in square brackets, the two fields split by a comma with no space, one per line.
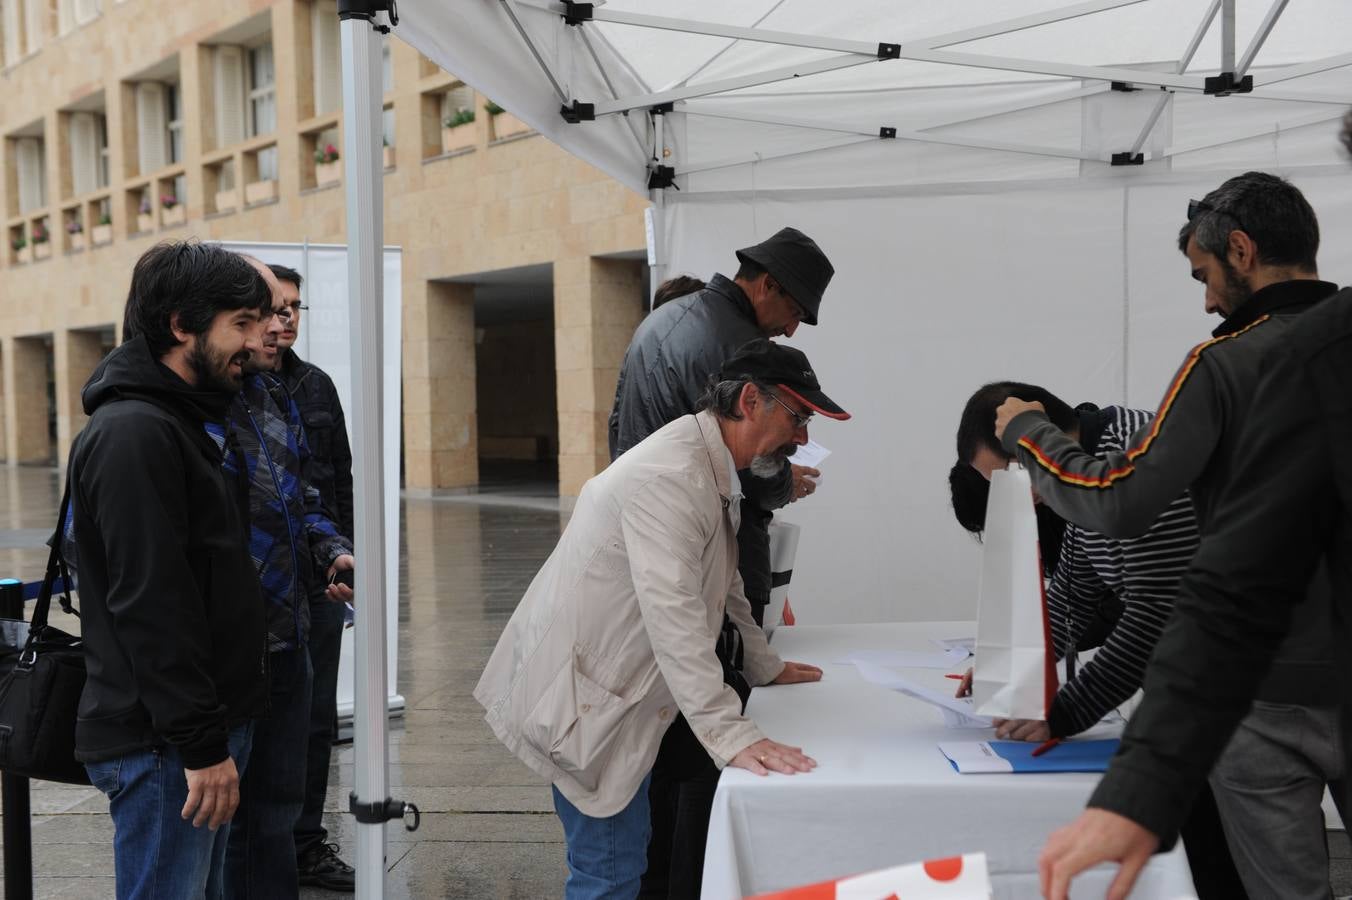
[41,685]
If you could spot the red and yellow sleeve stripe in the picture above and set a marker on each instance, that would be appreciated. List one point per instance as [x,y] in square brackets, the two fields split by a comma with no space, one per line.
[1081,479]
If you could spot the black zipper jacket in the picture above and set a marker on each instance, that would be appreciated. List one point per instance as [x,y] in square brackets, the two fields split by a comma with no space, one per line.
[665,371]
[171,610]
[1191,444]
[1281,533]
[329,468]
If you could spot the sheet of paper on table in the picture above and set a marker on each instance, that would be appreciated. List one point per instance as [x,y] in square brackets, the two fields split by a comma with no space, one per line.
[985,757]
[957,711]
[908,659]
[959,643]
[811,454]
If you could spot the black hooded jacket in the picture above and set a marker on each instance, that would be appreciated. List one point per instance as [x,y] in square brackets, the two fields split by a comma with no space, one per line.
[665,371]
[171,611]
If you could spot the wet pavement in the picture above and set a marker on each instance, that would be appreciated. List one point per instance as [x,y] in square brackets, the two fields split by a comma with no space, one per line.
[488,828]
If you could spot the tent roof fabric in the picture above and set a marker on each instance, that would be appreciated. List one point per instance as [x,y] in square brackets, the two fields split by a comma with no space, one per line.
[790,94]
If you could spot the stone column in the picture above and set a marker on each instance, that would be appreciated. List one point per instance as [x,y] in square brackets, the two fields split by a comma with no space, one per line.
[25,360]
[597,306]
[441,443]
[190,63]
[77,354]
[4,406]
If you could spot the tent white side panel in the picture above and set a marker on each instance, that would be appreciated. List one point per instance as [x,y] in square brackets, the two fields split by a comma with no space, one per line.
[936,294]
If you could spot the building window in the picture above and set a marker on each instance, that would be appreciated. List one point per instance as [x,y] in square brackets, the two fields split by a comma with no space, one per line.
[262,92]
[174,114]
[88,152]
[152,151]
[386,65]
[267,164]
[11,17]
[31,158]
[326,43]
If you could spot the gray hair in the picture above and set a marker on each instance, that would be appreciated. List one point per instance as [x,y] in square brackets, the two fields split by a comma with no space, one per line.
[1269,209]
[722,396]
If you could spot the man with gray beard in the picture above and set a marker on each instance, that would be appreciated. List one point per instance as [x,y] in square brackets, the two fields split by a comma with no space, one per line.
[614,638]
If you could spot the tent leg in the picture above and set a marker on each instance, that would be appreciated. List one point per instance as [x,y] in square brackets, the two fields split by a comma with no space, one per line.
[370,802]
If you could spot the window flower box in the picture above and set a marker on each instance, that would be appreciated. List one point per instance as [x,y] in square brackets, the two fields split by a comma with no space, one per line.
[328,172]
[260,192]
[457,138]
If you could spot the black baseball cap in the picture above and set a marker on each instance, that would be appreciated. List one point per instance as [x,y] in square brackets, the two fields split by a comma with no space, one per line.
[785,368]
[797,263]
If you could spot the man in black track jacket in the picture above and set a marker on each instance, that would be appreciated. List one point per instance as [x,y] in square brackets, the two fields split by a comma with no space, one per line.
[172,613]
[1252,242]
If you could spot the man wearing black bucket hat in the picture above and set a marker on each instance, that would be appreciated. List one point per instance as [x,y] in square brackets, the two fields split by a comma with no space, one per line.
[615,635]
[778,286]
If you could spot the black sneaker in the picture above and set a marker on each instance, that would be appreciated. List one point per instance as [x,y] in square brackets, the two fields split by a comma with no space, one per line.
[321,867]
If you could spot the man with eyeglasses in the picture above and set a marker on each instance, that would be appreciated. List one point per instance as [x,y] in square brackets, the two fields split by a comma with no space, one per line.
[778,286]
[1252,242]
[330,472]
[615,635]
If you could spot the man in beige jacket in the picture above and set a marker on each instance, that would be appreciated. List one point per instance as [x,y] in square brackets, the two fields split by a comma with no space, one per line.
[616,633]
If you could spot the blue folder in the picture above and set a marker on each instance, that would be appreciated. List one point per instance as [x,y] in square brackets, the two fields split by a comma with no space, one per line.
[969,757]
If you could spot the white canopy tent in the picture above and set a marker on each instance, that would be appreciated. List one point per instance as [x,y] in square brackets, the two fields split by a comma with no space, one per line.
[998,182]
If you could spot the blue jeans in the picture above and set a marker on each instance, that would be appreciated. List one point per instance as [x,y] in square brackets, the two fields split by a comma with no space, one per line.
[606,857]
[326,638]
[156,854]
[260,858]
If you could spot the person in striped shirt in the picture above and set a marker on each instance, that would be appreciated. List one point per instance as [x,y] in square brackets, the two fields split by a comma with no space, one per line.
[1118,591]
[1112,593]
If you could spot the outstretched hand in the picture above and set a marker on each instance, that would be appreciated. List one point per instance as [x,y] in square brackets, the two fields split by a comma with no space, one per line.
[766,756]
[1097,836]
[797,673]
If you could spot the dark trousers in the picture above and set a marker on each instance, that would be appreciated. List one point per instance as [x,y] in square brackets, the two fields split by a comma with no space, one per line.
[326,637]
[260,857]
[1213,868]
[681,795]
[680,799]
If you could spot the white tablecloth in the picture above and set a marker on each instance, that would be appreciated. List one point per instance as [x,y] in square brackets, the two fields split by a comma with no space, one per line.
[882,793]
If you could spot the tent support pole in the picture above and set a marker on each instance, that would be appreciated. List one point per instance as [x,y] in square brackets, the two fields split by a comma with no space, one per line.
[658,195]
[1227,35]
[370,802]
[509,8]
[1184,61]
[1265,29]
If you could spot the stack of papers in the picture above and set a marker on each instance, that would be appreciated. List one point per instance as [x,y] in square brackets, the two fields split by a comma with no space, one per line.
[981,757]
[957,711]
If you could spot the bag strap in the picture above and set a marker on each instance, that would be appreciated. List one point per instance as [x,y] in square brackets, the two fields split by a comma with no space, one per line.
[56,568]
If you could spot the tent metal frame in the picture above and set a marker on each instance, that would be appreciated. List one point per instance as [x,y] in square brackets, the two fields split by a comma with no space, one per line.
[1234,78]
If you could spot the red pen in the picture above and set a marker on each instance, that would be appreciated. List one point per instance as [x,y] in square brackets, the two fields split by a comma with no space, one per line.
[1047,746]
[957,677]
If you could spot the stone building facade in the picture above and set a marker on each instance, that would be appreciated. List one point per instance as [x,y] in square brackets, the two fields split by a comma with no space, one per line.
[124,123]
